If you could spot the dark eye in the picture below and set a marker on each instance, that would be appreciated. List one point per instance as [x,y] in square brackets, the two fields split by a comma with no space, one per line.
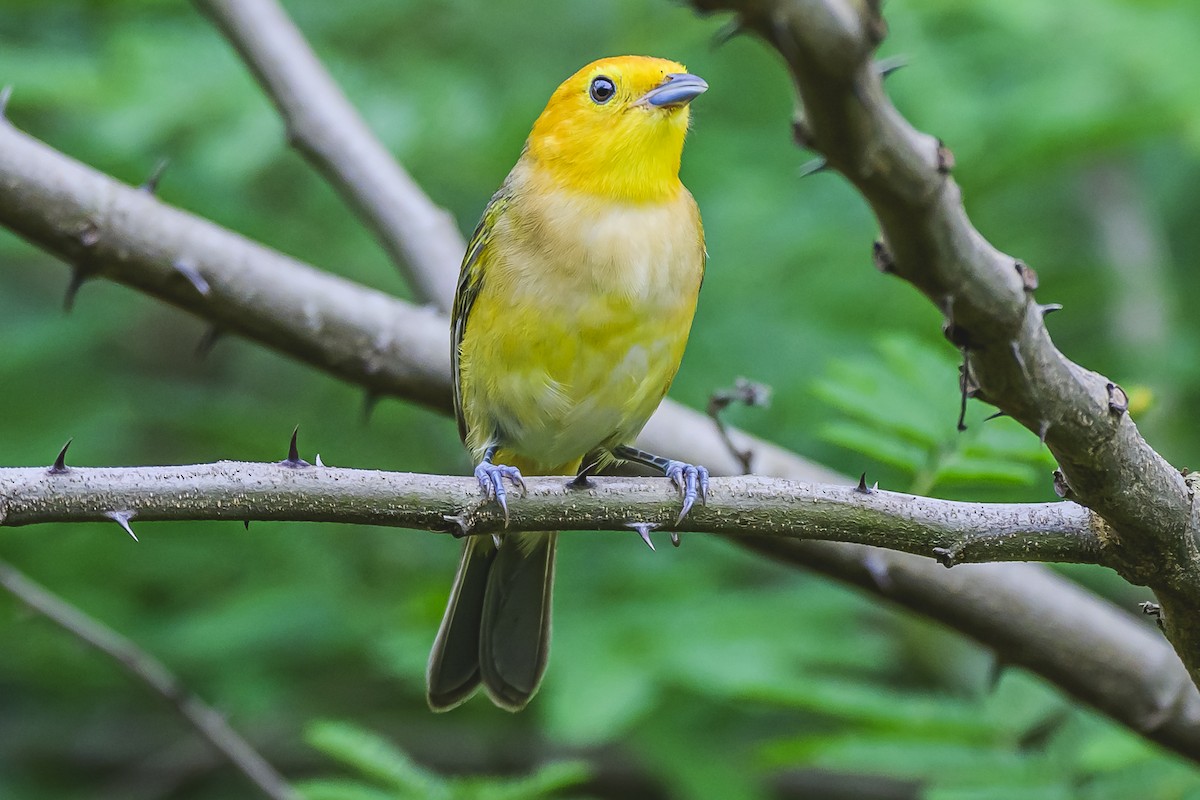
[602,90]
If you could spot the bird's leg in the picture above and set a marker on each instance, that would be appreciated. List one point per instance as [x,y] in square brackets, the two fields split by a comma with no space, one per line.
[691,480]
[491,479]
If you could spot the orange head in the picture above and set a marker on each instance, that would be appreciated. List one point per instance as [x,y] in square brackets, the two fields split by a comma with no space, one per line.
[616,128]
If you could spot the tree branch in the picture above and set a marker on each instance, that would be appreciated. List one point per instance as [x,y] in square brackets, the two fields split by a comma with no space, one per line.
[987,298]
[207,721]
[420,237]
[952,532]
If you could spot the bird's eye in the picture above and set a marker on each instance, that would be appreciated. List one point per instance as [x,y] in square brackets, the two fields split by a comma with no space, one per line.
[602,90]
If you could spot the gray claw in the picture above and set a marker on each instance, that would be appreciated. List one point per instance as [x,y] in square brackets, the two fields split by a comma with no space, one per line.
[692,482]
[491,479]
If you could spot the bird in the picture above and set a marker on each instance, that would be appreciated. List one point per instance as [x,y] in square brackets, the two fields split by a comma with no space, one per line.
[573,307]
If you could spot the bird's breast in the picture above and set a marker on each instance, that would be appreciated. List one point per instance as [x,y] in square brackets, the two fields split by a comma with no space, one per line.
[582,320]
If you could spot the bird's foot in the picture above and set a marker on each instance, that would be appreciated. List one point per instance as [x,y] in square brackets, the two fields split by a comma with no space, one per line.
[692,482]
[491,479]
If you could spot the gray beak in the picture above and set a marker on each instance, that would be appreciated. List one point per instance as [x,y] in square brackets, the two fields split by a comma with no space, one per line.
[677,89]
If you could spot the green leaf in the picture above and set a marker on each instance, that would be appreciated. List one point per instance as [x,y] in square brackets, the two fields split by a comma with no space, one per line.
[373,756]
[340,789]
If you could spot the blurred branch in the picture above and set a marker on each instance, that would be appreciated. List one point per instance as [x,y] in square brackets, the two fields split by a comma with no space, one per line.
[104,228]
[420,237]
[987,298]
[952,532]
[207,721]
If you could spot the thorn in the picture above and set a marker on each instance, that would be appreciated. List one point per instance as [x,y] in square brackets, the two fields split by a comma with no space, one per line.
[1050,308]
[78,277]
[877,567]
[496,540]
[997,415]
[460,525]
[643,529]
[246,522]
[801,133]
[881,256]
[187,269]
[734,27]
[122,518]
[945,158]
[813,167]
[1061,487]
[1015,346]
[319,462]
[5,95]
[370,400]
[886,67]
[293,461]
[675,538]
[955,334]
[946,556]
[212,334]
[1151,609]
[862,487]
[89,234]
[1043,429]
[150,186]
[1118,400]
[60,464]
[1029,278]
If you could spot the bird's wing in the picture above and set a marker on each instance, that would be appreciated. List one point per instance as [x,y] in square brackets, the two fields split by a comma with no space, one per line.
[470,279]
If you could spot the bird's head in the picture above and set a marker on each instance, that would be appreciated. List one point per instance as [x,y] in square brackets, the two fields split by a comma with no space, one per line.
[616,128]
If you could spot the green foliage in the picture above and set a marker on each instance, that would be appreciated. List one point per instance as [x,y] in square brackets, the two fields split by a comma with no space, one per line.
[900,407]
[701,671]
[386,772]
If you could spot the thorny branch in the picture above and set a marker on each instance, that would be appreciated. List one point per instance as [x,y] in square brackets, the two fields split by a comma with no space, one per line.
[987,298]
[294,490]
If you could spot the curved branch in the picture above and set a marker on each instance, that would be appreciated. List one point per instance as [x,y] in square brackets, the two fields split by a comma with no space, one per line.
[207,721]
[952,532]
[987,298]
[105,228]
[421,238]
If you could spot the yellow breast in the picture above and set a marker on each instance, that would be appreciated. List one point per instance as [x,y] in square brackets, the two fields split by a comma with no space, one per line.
[581,319]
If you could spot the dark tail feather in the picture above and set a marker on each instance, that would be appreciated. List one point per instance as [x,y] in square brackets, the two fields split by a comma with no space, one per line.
[514,635]
[453,673]
[497,623]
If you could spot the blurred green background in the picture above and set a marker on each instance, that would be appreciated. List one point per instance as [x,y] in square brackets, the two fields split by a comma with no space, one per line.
[701,672]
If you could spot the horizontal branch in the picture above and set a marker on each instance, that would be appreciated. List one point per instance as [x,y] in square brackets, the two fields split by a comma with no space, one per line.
[952,532]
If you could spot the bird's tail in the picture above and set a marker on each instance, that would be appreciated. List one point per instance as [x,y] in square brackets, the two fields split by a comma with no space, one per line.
[496,630]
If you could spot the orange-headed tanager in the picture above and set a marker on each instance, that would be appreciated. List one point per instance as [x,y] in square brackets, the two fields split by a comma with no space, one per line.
[574,304]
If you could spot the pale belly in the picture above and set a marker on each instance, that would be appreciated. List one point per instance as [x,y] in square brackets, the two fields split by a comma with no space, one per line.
[579,325]
[563,382]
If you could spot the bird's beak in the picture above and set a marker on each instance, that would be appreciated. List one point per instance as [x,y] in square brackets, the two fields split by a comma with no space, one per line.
[677,89]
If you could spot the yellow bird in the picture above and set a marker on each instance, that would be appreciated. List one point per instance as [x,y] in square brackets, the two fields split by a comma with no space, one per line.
[574,304]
